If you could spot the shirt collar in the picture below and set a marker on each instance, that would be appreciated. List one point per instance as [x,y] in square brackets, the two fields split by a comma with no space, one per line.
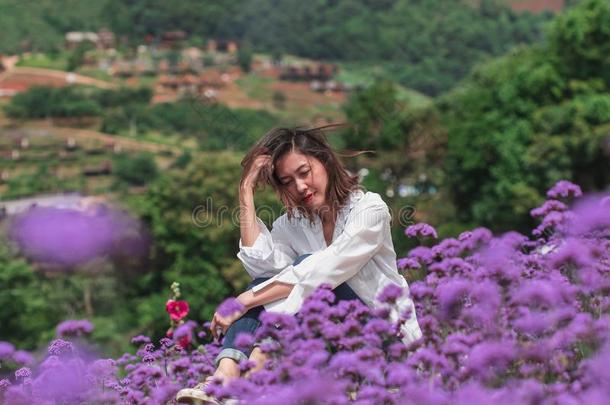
[352,199]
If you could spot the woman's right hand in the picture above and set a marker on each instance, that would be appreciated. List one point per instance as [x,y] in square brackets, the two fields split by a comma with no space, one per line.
[251,175]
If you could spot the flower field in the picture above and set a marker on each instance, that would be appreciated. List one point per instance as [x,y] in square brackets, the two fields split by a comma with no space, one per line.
[505,319]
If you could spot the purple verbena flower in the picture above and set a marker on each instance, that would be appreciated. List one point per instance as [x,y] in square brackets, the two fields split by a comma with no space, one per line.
[547,207]
[575,252]
[23,372]
[422,254]
[140,340]
[451,296]
[6,350]
[422,230]
[448,248]
[564,188]
[407,263]
[183,335]
[59,347]
[22,357]
[474,239]
[490,358]
[74,327]
[4,384]
[391,293]
[244,340]
[229,307]
[70,237]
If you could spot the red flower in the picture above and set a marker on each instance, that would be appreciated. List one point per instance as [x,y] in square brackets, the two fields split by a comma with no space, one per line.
[185,341]
[170,333]
[177,309]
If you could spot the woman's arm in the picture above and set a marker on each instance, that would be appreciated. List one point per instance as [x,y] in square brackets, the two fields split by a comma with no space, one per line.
[248,225]
[270,293]
[247,212]
[248,299]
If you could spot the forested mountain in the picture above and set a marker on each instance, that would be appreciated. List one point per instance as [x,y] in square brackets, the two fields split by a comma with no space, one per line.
[539,114]
[40,25]
[425,44]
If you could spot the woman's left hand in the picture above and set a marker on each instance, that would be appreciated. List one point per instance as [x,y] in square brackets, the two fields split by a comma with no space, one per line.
[220,323]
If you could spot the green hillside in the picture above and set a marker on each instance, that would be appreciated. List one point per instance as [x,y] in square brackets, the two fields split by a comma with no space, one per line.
[427,45]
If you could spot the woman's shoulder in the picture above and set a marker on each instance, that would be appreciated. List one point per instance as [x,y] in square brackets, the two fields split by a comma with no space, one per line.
[367,199]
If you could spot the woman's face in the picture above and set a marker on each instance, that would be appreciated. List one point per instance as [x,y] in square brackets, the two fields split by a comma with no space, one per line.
[304,177]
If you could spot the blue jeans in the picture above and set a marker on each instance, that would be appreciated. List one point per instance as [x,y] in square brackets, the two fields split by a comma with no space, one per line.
[249,322]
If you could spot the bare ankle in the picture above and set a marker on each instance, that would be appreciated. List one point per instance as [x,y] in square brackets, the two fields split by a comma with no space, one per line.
[259,358]
[227,370]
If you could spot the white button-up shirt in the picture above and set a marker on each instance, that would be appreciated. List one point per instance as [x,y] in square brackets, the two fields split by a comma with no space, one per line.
[361,254]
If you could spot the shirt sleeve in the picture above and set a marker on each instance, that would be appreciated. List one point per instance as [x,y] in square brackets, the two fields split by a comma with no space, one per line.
[362,237]
[270,253]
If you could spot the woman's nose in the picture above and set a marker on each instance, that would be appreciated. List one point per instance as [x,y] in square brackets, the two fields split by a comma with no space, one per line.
[301,186]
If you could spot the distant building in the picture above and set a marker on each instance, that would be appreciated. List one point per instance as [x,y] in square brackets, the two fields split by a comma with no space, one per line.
[74,39]
[222,45]
[191,84]
[192,53]
[173,39]
[105,168]
[537,6]
[128,68]
[320,72]
[192,58]
[106,39]
[8,62]
[103,39]
[330,86]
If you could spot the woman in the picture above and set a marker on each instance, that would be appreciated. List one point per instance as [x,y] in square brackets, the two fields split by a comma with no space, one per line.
[333,232]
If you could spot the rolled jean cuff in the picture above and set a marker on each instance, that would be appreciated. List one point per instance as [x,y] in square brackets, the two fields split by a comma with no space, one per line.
[231,354]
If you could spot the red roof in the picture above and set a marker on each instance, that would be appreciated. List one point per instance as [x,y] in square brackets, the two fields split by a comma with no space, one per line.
[536,6]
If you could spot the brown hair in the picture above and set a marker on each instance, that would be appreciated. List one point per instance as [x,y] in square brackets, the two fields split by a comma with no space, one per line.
[310,142]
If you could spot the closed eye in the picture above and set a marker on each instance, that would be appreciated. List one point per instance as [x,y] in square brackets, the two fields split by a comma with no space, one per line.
[300,174]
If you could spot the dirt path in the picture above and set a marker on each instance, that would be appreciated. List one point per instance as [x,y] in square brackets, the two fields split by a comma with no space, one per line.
[48,76]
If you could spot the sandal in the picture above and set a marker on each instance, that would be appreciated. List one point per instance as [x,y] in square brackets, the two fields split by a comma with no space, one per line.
[196,395]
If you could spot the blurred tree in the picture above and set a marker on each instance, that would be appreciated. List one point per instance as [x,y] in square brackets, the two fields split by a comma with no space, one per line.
[123,108]
[135,170]
[77,56]
[244,57]
[379,120]
[215,126]
[30,104]
[279,99]
[24,314]
[524,121]
[33,301]
[45,102]
[579,41]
